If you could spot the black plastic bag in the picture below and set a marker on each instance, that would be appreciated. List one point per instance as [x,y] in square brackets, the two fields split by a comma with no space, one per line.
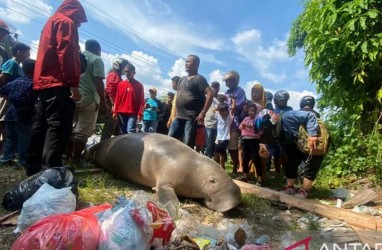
[57,177]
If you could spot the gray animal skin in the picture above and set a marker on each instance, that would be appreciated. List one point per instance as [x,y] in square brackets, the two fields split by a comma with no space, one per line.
[169,166]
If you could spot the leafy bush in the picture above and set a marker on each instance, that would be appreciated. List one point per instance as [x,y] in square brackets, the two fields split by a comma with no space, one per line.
[356,156]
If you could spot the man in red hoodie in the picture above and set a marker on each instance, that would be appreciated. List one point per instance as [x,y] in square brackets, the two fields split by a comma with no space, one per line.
[56,81]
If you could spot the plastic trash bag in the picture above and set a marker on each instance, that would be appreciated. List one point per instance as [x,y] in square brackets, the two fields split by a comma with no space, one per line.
[152,217]
[56,177]
[136,224]
[120,232]
[46,201]
[154,220]
[77,230]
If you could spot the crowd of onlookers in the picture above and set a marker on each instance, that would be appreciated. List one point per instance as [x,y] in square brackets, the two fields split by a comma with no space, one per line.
[49,108]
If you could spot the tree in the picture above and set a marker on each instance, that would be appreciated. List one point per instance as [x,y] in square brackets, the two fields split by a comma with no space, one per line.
[342,40]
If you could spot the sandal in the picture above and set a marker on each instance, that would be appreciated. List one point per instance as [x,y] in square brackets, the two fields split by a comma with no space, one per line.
[242,178]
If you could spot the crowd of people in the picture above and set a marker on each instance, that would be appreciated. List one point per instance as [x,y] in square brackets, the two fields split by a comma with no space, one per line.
[64,89]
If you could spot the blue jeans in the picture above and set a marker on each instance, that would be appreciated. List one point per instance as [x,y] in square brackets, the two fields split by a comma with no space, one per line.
[17,140]
[150,126]
[127,123]
[185,128]
[210,141]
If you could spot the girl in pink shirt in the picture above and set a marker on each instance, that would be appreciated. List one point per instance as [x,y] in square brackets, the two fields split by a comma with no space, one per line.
[250,143]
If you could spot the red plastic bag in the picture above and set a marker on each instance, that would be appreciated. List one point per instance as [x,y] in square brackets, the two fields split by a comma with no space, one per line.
[74,231]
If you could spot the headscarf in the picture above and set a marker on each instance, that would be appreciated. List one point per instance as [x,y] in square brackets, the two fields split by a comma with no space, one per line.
[261,101]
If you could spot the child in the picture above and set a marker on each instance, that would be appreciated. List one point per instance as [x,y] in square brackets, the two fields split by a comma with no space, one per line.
[18,118]
[225,118]
[250,143]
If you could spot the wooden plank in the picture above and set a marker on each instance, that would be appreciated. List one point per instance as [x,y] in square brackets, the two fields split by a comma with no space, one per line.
[88,170]
[371,238]
[362,197]
[350,217]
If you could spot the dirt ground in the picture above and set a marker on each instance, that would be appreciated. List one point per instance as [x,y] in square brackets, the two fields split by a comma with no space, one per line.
[261,215]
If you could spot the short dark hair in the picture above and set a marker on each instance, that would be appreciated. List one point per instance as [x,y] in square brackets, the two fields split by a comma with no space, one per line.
[28,67]
[175,79]
[92,45]
[170,94]
[197,59]
[215,83]
[131,66]
[222,106]
[22,47]
[252,105]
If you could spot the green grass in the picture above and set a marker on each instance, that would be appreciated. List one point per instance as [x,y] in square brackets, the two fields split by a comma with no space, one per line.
[104,188]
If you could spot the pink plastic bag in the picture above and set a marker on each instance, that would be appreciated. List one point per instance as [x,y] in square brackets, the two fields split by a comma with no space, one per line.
[74,231]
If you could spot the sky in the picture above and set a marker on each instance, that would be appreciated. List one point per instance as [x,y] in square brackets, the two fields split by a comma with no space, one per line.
[249,36]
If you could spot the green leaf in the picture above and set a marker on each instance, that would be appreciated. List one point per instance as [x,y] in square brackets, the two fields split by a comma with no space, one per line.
[372,13]
[362,22]
[364,47]
[351,24]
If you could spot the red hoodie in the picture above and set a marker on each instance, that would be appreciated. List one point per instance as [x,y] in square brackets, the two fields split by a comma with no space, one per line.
[130,98]
[58,60]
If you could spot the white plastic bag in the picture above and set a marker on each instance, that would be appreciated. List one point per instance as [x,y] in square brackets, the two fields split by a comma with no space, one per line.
[46,201]
[120,232]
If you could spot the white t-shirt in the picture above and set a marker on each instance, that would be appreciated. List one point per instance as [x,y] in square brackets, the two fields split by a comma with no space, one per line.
[223,127]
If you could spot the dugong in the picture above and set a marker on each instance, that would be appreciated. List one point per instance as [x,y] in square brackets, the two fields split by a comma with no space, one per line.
[169,166]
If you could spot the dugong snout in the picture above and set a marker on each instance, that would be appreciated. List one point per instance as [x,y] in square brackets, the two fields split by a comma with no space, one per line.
[225,199]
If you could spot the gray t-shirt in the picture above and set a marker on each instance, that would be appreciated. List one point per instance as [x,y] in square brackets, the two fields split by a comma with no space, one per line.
[191,98]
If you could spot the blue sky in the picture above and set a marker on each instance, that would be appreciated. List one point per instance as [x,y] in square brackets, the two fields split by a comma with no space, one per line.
[157,35]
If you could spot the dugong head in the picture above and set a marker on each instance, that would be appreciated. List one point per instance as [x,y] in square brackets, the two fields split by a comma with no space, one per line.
[224,199]
[221,193]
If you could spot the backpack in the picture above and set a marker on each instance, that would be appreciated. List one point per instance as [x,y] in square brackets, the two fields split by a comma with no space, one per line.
[322,143]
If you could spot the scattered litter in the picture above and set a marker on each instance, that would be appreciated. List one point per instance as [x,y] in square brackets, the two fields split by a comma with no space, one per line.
[46,201]
[56,177]
[366,210]
[77,230]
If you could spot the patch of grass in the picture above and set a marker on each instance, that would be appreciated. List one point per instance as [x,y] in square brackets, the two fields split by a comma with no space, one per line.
[102,188]
[253,201]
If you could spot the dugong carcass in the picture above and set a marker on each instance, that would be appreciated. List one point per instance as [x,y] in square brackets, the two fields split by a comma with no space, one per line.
[170,166]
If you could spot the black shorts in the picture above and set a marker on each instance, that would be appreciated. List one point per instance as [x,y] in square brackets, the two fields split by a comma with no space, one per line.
[221,147]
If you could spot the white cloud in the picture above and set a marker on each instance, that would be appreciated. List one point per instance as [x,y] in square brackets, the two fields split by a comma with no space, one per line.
[34,45]
[20,11]
[265,59]
[216,75]
[178,68]
[157,7]
[247,37]
[169,33]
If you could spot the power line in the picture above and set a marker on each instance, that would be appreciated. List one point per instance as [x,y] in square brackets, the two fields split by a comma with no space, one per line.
[91,35]
[32,45]
[140,35]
